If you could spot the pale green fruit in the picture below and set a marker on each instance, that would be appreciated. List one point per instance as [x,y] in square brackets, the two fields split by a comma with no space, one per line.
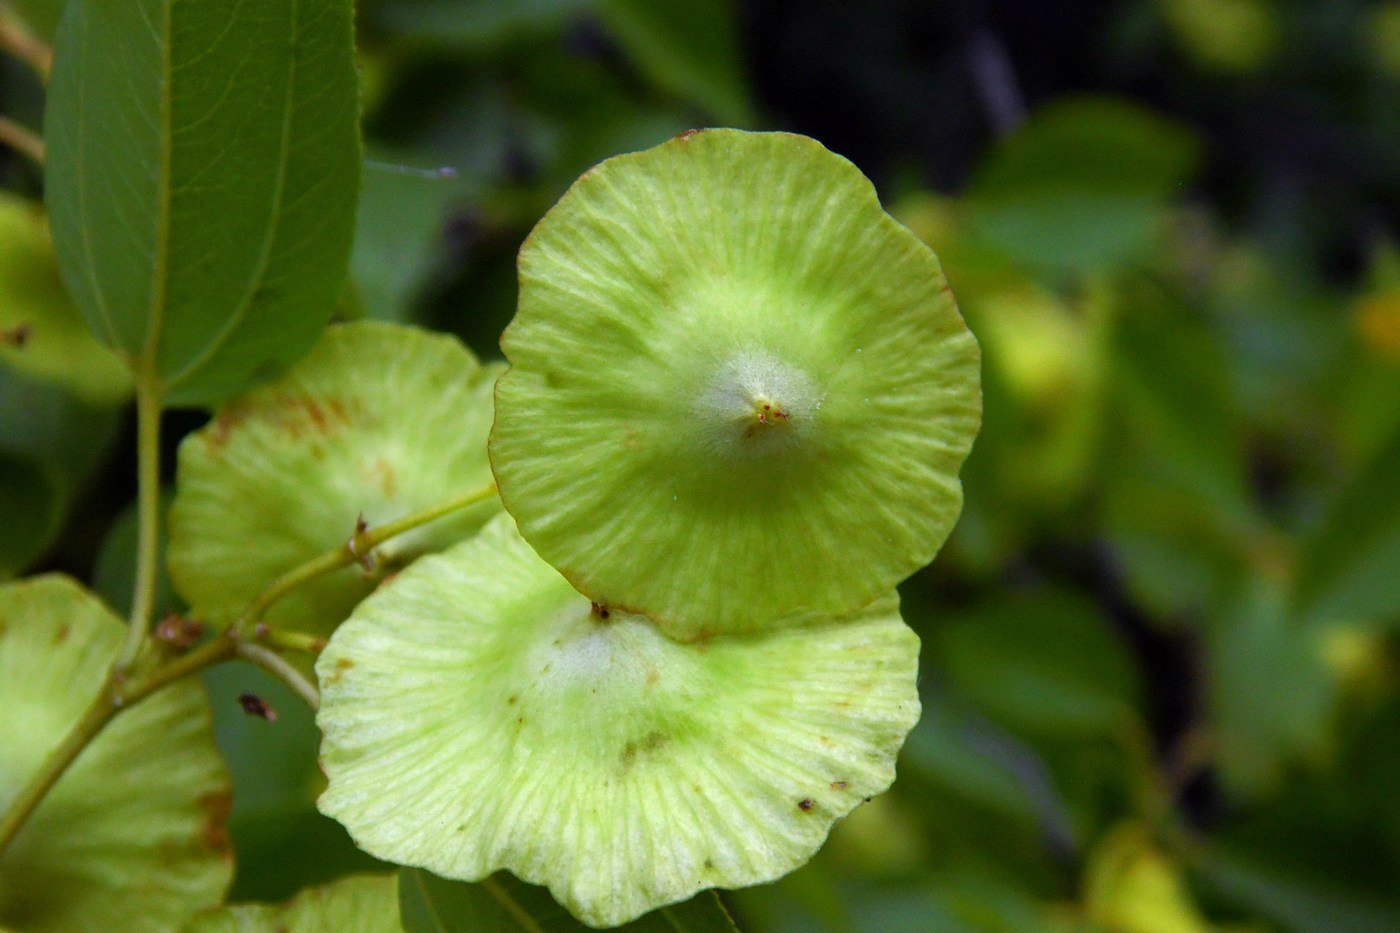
[132,835]
[738,387]
[357,904]
[479,714]
[379,421]
[57,345]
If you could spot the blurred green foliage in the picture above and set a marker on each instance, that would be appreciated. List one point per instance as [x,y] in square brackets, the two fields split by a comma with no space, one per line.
[1160,669]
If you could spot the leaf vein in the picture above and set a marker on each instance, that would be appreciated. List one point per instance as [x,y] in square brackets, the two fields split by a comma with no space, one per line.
[274,221]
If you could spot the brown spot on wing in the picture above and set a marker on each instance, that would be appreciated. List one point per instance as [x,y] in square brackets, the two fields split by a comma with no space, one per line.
[649,743]
[382,472]
[295,414]
[213,832]
[342,664]
[225,424]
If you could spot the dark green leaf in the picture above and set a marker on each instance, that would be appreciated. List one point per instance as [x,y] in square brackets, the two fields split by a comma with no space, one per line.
[1351,567]
[1078,187]
[429,904]
[1270,691]
[477,28]
[48,424]
[975,761]
[50,443]
[691,49]
[1300,900]
[31,509]
[1177,506]
[1041,663]
[396,233]
[202,176]
[41,16]
[810,900]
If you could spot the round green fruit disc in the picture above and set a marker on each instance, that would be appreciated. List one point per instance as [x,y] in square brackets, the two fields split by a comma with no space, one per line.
[132,835]
[738,388]
[479,714]
[357,904]
[380,421]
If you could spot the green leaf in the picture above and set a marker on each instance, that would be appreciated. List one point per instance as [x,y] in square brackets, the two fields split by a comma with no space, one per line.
[1078,187]
[1270,691]
[1351,566]
[690,49]
[1302,900]
[1322,853]
[43,422]
[31,509]
[474,27]
[202,176]
[1177,508]
[42,16]
[1131,884]
[1235,37]
[1043,663]
[429,904]
[50,443]
[972,760]
[397,229]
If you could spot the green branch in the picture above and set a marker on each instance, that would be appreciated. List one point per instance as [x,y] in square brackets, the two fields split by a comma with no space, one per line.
[355,550]
[277,666]
[84,731]
[288,640]
[148,406]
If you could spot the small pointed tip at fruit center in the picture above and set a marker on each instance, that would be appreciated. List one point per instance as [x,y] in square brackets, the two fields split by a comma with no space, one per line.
[767,415]
[755,402]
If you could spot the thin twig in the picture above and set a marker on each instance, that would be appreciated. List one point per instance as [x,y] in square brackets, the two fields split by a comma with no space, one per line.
[22,140]
[287,640]
[221,647]
[994,78]
[21,42]
[277,666]
[148,405]
[356,549]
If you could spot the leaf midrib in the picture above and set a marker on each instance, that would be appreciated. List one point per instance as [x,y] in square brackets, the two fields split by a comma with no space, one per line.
[274,220]
[160,287]
[90,266]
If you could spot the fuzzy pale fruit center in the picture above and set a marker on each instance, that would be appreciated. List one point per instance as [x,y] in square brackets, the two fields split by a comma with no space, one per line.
[755,404]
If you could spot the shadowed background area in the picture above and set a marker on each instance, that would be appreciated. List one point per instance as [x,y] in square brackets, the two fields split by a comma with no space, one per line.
[1160,667]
